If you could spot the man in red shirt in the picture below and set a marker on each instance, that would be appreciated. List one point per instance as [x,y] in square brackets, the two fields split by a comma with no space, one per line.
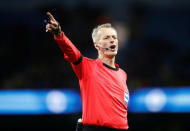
[104,92]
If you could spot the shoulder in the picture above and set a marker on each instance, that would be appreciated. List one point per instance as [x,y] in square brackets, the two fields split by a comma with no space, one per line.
[82,59]
[123,72]
[84,62]
[89,60]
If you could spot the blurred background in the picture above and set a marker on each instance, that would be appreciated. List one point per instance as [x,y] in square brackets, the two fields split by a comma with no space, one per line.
[153,50]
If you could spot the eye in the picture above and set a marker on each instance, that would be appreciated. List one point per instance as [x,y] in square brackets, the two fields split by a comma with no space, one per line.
[114,37]
[106,37]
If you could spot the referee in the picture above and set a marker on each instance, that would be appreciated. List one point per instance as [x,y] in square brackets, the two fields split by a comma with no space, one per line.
[104,92]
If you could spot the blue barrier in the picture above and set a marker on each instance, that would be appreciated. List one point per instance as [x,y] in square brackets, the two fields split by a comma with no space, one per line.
[39,101]
[156,99]
[65,101]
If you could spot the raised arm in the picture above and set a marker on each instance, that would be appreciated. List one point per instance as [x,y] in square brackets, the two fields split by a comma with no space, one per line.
[71,53]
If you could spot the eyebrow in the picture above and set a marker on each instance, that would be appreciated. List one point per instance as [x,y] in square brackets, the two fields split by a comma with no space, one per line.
[111,36]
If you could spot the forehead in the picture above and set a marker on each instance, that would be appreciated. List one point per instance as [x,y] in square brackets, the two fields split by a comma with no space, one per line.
[106,32]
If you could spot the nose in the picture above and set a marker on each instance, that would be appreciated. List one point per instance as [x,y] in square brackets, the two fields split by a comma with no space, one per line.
[111,41]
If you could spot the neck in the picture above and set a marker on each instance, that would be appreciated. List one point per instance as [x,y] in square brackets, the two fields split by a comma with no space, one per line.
[108,60]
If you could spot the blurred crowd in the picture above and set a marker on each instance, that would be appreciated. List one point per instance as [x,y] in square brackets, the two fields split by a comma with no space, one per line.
[154,44]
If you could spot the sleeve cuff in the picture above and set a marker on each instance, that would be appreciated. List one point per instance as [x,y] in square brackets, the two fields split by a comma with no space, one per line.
[59,37]
[78,61]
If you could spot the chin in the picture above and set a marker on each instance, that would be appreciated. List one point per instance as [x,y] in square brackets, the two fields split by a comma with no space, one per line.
[111,54]
[114,53]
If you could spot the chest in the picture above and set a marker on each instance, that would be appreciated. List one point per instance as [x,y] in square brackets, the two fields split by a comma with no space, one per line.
[113,81]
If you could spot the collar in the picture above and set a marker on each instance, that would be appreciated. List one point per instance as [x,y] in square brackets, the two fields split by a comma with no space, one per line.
[115,69]
[116,65]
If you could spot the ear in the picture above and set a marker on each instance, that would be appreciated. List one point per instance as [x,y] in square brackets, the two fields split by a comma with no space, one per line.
[95,45]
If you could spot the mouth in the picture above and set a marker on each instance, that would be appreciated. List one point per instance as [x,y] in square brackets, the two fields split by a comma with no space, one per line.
[112,47]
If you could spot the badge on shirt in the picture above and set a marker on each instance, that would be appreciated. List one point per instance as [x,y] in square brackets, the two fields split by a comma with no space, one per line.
[126,97]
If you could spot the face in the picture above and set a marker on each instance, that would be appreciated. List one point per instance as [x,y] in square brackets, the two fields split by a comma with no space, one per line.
[107,38]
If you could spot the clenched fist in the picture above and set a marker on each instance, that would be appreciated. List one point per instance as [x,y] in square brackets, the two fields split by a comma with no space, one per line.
[53,26]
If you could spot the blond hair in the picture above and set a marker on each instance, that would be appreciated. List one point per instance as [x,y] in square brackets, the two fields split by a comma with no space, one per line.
[96,29]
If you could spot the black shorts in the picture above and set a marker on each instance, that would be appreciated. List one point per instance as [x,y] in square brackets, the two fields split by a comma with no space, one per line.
[99,128]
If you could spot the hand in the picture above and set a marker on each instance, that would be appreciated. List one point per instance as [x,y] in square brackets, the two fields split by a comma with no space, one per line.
[53,26]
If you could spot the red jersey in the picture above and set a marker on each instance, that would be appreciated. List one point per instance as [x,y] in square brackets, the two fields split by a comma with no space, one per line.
[104,92]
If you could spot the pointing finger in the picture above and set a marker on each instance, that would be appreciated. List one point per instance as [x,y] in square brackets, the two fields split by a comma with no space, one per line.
[50,16]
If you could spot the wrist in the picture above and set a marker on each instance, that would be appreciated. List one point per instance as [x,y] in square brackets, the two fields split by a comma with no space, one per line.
[58,31]
[59,34]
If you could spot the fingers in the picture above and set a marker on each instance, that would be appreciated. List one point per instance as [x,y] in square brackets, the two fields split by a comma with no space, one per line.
[52,20]
[50,27]
[50,16]
[55,23]
[53,26]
